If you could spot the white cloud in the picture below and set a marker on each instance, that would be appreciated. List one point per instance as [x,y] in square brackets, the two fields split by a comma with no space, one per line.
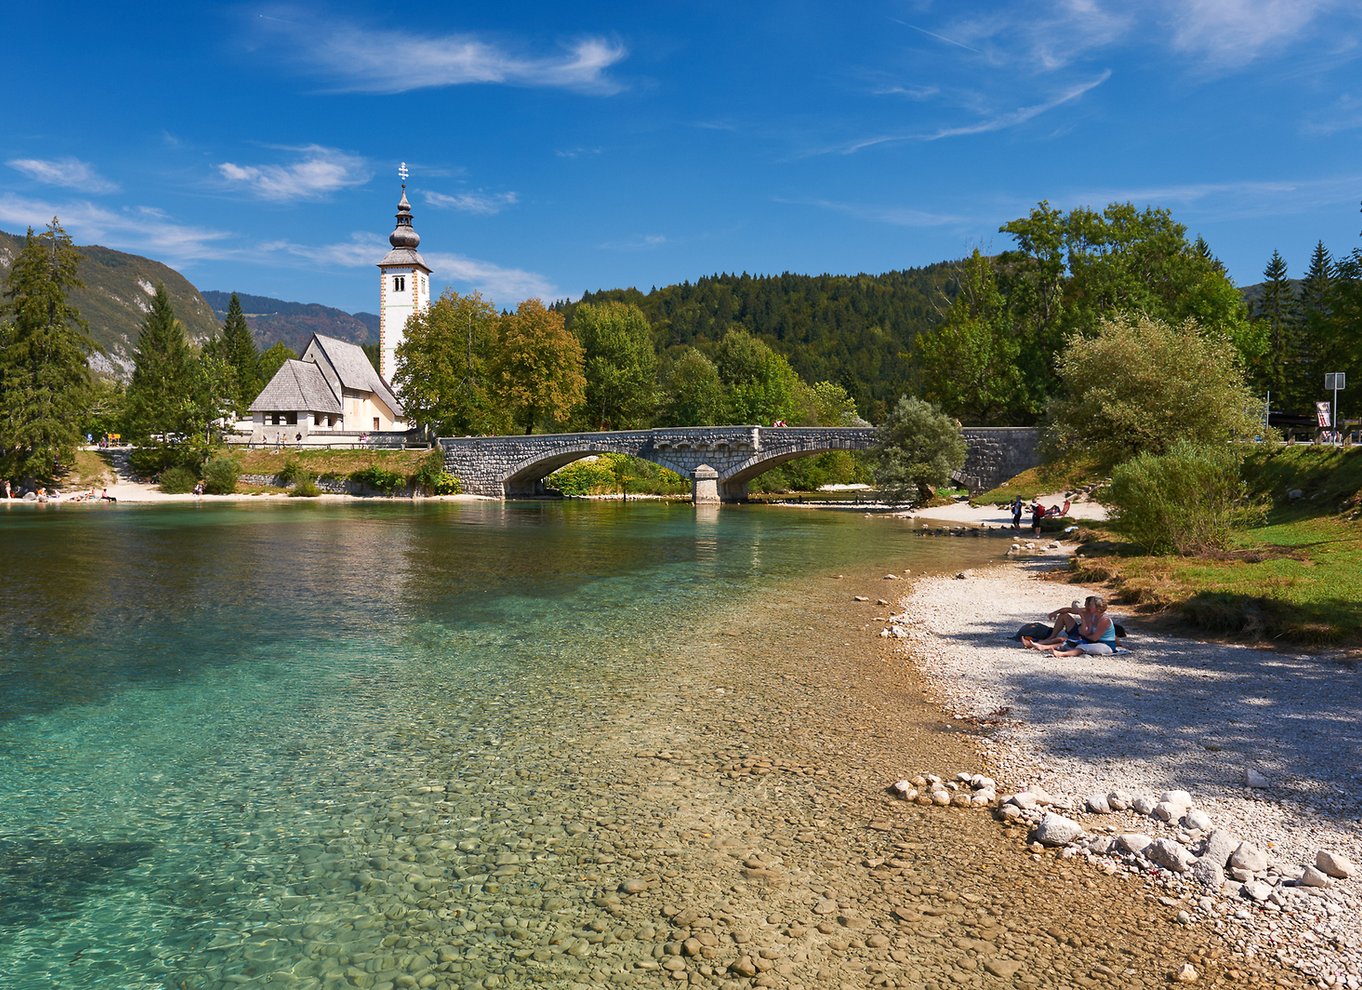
[1233,32]
[643,242]
[997,122]
[319,172]
[480,203]
[1242,199]
[70,172]
[505,286]
[360,58]
[142,230]
[578,152]
[1045,34]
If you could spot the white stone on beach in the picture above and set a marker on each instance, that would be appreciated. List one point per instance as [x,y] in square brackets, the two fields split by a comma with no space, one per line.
[1187,974]
[941,798]
[1133,842]
[1142,804]
[1252,778]
[859,598]
[1180,798]
[1210,868]
[1311,877]
[1097,804]
[1169,854]
[1166,811]
[1056,830]
[1024,800]
[1249,858]
[982,799]
[981,783]
[905,790]
[1257,890]
[1119,800]
[1197,819]
[1334,864]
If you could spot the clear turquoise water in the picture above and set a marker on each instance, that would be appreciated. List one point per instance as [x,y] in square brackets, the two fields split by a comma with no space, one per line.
[215,722]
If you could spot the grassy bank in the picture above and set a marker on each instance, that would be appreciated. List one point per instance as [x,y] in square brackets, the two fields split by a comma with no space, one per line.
[1295,578]
[1047,479]
[330,462]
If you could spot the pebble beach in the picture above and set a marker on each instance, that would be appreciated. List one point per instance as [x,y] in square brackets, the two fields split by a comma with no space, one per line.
[1258,747]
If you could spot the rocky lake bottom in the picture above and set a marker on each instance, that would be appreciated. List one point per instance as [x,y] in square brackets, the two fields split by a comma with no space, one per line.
[709,807]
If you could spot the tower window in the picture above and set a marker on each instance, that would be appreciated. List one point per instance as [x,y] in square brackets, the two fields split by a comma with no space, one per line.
[399,283]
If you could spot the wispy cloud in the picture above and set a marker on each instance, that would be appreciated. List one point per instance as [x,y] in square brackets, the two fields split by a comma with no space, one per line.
[579,152]
[1234,32]
[317,173]
[506,286]
[1241,199]
[1044,34]
[898,216]
[480,203]
[911,92]
[997,122]
[941,37]
[143,230]
[643,242]
[361,58]
[69,172]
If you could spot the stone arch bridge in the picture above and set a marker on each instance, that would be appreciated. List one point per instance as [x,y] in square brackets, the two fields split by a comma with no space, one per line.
[719,461]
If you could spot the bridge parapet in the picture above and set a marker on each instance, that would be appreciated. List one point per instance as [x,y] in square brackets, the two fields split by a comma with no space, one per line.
[730,455]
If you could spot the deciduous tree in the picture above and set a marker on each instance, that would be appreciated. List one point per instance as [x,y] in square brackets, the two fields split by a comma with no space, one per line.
[1140,384]
[536,373]
[443,367]
[759,383]
[621,365]
[44,378]
[919,447]
[694,394]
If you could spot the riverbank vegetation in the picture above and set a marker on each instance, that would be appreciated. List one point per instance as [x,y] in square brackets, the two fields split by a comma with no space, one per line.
[1294,575]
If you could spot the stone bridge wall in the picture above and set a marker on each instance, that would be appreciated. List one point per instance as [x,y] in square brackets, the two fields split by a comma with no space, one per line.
[727,457]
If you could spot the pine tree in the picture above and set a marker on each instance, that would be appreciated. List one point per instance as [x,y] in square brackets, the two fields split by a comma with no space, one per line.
[1278,310]
[44,378]
[1317,309]
[161,393]
[238,349]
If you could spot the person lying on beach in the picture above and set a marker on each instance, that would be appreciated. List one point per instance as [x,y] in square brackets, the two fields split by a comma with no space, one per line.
[1095,635]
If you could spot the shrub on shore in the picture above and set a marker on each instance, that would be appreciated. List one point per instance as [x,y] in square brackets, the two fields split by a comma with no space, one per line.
[177,480]
[220,475]
[1187,501]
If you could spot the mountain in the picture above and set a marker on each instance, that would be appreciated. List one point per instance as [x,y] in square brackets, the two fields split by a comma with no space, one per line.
[293,324]
[117,295]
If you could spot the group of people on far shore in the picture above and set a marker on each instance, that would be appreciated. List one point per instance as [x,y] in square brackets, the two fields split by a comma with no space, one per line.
[1078,630]
[1038,512]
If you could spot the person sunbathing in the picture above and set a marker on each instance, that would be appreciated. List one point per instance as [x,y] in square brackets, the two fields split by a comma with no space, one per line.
[1065,622]
[1095,635]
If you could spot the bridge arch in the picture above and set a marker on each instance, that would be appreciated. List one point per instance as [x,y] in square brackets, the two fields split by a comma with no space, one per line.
[527,476]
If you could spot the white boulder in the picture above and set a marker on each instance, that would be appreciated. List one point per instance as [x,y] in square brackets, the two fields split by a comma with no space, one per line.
[1334,864]
[1056,830]
[1169,854]
[1248,858]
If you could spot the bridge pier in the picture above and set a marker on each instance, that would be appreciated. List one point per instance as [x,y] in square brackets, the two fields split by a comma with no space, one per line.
[704,488]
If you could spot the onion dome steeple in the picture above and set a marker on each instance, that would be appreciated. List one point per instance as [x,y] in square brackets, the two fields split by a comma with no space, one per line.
[404,238]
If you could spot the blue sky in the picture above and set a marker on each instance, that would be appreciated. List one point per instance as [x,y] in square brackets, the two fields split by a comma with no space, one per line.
[556,148]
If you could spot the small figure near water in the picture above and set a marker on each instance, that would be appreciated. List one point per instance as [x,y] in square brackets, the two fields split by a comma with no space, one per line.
[1016,511]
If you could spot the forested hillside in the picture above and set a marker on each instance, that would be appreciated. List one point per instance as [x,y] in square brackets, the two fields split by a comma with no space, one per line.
[854,330]
[117,289]
[293,324]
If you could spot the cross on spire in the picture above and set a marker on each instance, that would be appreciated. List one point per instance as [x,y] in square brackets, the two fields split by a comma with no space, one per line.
[402,174]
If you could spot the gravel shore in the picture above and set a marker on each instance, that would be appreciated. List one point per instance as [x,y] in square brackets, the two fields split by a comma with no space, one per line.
[1174,713]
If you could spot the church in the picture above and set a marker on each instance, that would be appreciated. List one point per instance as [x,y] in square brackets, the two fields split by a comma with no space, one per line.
[332,393]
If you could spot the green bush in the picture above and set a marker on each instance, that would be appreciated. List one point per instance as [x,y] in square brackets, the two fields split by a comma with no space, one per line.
[584,477]
[447,484]
[177,480]
[380,479]
[220,474]
[293,473]
[307,488]
[1187,501]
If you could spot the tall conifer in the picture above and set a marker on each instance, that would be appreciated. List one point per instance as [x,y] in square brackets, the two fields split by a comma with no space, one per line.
[44,378]
[238,349]
[160,395]
[1277,309]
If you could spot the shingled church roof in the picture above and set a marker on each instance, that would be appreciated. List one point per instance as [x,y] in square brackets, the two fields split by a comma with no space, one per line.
[297,386]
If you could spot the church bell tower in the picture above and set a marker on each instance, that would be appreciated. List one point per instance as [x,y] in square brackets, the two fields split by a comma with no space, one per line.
[404,284]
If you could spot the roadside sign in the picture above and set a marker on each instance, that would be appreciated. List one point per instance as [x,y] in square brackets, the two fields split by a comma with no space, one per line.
[1335,381]
[1322,412]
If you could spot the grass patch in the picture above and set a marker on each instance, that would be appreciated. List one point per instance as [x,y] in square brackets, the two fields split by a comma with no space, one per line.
[335,463]
[1047,479]
[1295,578]
[90,471]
